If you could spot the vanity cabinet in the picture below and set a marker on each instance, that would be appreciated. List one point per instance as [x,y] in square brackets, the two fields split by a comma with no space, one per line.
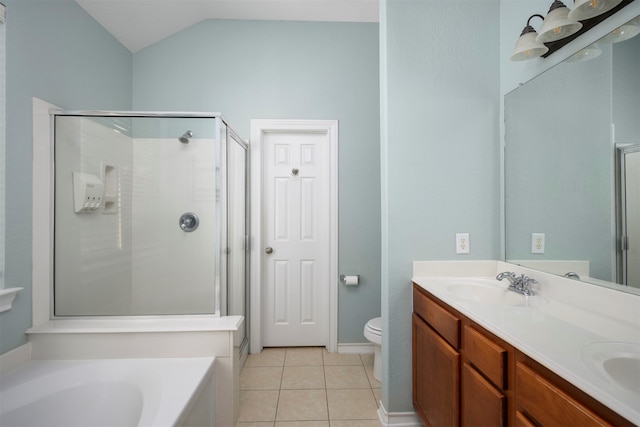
[459,374]
[465,376]
[436,385]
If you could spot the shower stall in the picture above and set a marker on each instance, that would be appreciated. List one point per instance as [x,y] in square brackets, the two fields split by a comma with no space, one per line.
[150,215]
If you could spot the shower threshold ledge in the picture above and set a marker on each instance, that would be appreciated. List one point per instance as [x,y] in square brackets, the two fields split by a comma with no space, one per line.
[186,323]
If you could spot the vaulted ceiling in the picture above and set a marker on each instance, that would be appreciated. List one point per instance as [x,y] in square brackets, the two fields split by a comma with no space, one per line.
[140,23]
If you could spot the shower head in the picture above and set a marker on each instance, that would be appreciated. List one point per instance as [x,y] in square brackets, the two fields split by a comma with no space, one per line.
[185,137]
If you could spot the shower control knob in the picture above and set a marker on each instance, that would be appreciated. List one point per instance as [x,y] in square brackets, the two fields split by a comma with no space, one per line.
[269,250]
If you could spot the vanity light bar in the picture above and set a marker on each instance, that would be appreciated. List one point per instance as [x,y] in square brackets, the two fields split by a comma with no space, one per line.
[563,27]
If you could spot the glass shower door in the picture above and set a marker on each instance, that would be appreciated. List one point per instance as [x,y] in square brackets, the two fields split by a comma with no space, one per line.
[136,222]
[237,232]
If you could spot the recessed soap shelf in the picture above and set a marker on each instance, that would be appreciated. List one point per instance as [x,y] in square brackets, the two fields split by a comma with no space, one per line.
[110,180]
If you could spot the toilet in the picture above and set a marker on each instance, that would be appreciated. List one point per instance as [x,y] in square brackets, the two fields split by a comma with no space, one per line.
[373,332]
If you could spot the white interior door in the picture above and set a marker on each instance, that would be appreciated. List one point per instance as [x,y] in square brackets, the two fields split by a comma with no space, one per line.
[296,230]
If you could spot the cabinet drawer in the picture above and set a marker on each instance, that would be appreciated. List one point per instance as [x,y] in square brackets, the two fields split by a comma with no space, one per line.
[522,420]
[443,322]
[547,404]
[482,403]
[486,355]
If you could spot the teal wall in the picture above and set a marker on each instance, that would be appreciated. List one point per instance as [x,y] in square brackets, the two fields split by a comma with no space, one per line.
[245,69]
[440,156]
[289,70]
[56,52]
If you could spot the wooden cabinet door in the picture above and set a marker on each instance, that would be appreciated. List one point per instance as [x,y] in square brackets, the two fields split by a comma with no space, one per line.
[436,382]
[549,406]
[482,403]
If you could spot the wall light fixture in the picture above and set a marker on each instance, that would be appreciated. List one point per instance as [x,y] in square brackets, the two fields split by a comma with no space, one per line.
[562,25]
[557,25]
[586,9]
[527,47]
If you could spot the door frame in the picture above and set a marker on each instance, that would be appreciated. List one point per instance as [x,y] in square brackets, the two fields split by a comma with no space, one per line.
[260,127]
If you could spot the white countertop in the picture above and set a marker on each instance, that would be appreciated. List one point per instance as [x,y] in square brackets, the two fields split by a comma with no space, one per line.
[565,318]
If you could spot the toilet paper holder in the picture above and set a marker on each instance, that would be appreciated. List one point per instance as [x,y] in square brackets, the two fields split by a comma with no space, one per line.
[350,280]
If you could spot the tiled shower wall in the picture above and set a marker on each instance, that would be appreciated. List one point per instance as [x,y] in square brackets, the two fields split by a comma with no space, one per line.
[173,270]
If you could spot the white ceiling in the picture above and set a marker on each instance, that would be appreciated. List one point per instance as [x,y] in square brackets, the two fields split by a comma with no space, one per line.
[140,23]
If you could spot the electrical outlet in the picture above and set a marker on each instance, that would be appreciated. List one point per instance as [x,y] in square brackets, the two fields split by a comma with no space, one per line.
[462,243]
[537,243]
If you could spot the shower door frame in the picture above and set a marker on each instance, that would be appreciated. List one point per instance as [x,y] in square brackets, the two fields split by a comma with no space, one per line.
[53,112]
[232,137]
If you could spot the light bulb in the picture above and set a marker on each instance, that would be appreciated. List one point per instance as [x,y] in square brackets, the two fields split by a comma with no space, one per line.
[594,3]
[557,30]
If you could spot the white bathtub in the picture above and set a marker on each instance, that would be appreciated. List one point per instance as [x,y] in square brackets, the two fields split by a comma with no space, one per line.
[108,393]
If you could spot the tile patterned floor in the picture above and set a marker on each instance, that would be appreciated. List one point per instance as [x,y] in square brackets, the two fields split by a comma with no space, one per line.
[308,387]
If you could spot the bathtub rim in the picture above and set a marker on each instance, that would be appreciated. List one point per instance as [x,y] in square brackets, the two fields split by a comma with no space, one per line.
[175,408]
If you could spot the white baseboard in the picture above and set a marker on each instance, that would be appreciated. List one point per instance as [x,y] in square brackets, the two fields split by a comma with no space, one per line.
[14,358]
[356,348]
[397,419]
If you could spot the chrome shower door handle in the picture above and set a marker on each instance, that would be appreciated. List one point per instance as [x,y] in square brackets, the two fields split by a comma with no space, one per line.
[268,250]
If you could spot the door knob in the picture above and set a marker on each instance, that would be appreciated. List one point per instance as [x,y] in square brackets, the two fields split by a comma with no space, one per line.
[189,222]
[269,250]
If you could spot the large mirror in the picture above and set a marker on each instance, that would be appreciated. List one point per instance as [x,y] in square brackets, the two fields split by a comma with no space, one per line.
[572,178]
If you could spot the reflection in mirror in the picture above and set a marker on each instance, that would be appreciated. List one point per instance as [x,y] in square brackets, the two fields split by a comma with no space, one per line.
[561,133]
[628,208]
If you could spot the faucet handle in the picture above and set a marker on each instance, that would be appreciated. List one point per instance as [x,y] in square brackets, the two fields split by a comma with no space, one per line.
[526,285]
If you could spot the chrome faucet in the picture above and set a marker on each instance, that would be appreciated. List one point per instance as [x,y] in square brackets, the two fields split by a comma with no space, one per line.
[511,277]
[520,284]
[572,275]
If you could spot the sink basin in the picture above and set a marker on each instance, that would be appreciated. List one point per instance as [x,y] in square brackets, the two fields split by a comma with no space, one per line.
[486,292]
[616,361]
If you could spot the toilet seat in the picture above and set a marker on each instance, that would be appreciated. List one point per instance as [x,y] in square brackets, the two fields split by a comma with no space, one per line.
[373,333]
[375,325]
[373,330]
